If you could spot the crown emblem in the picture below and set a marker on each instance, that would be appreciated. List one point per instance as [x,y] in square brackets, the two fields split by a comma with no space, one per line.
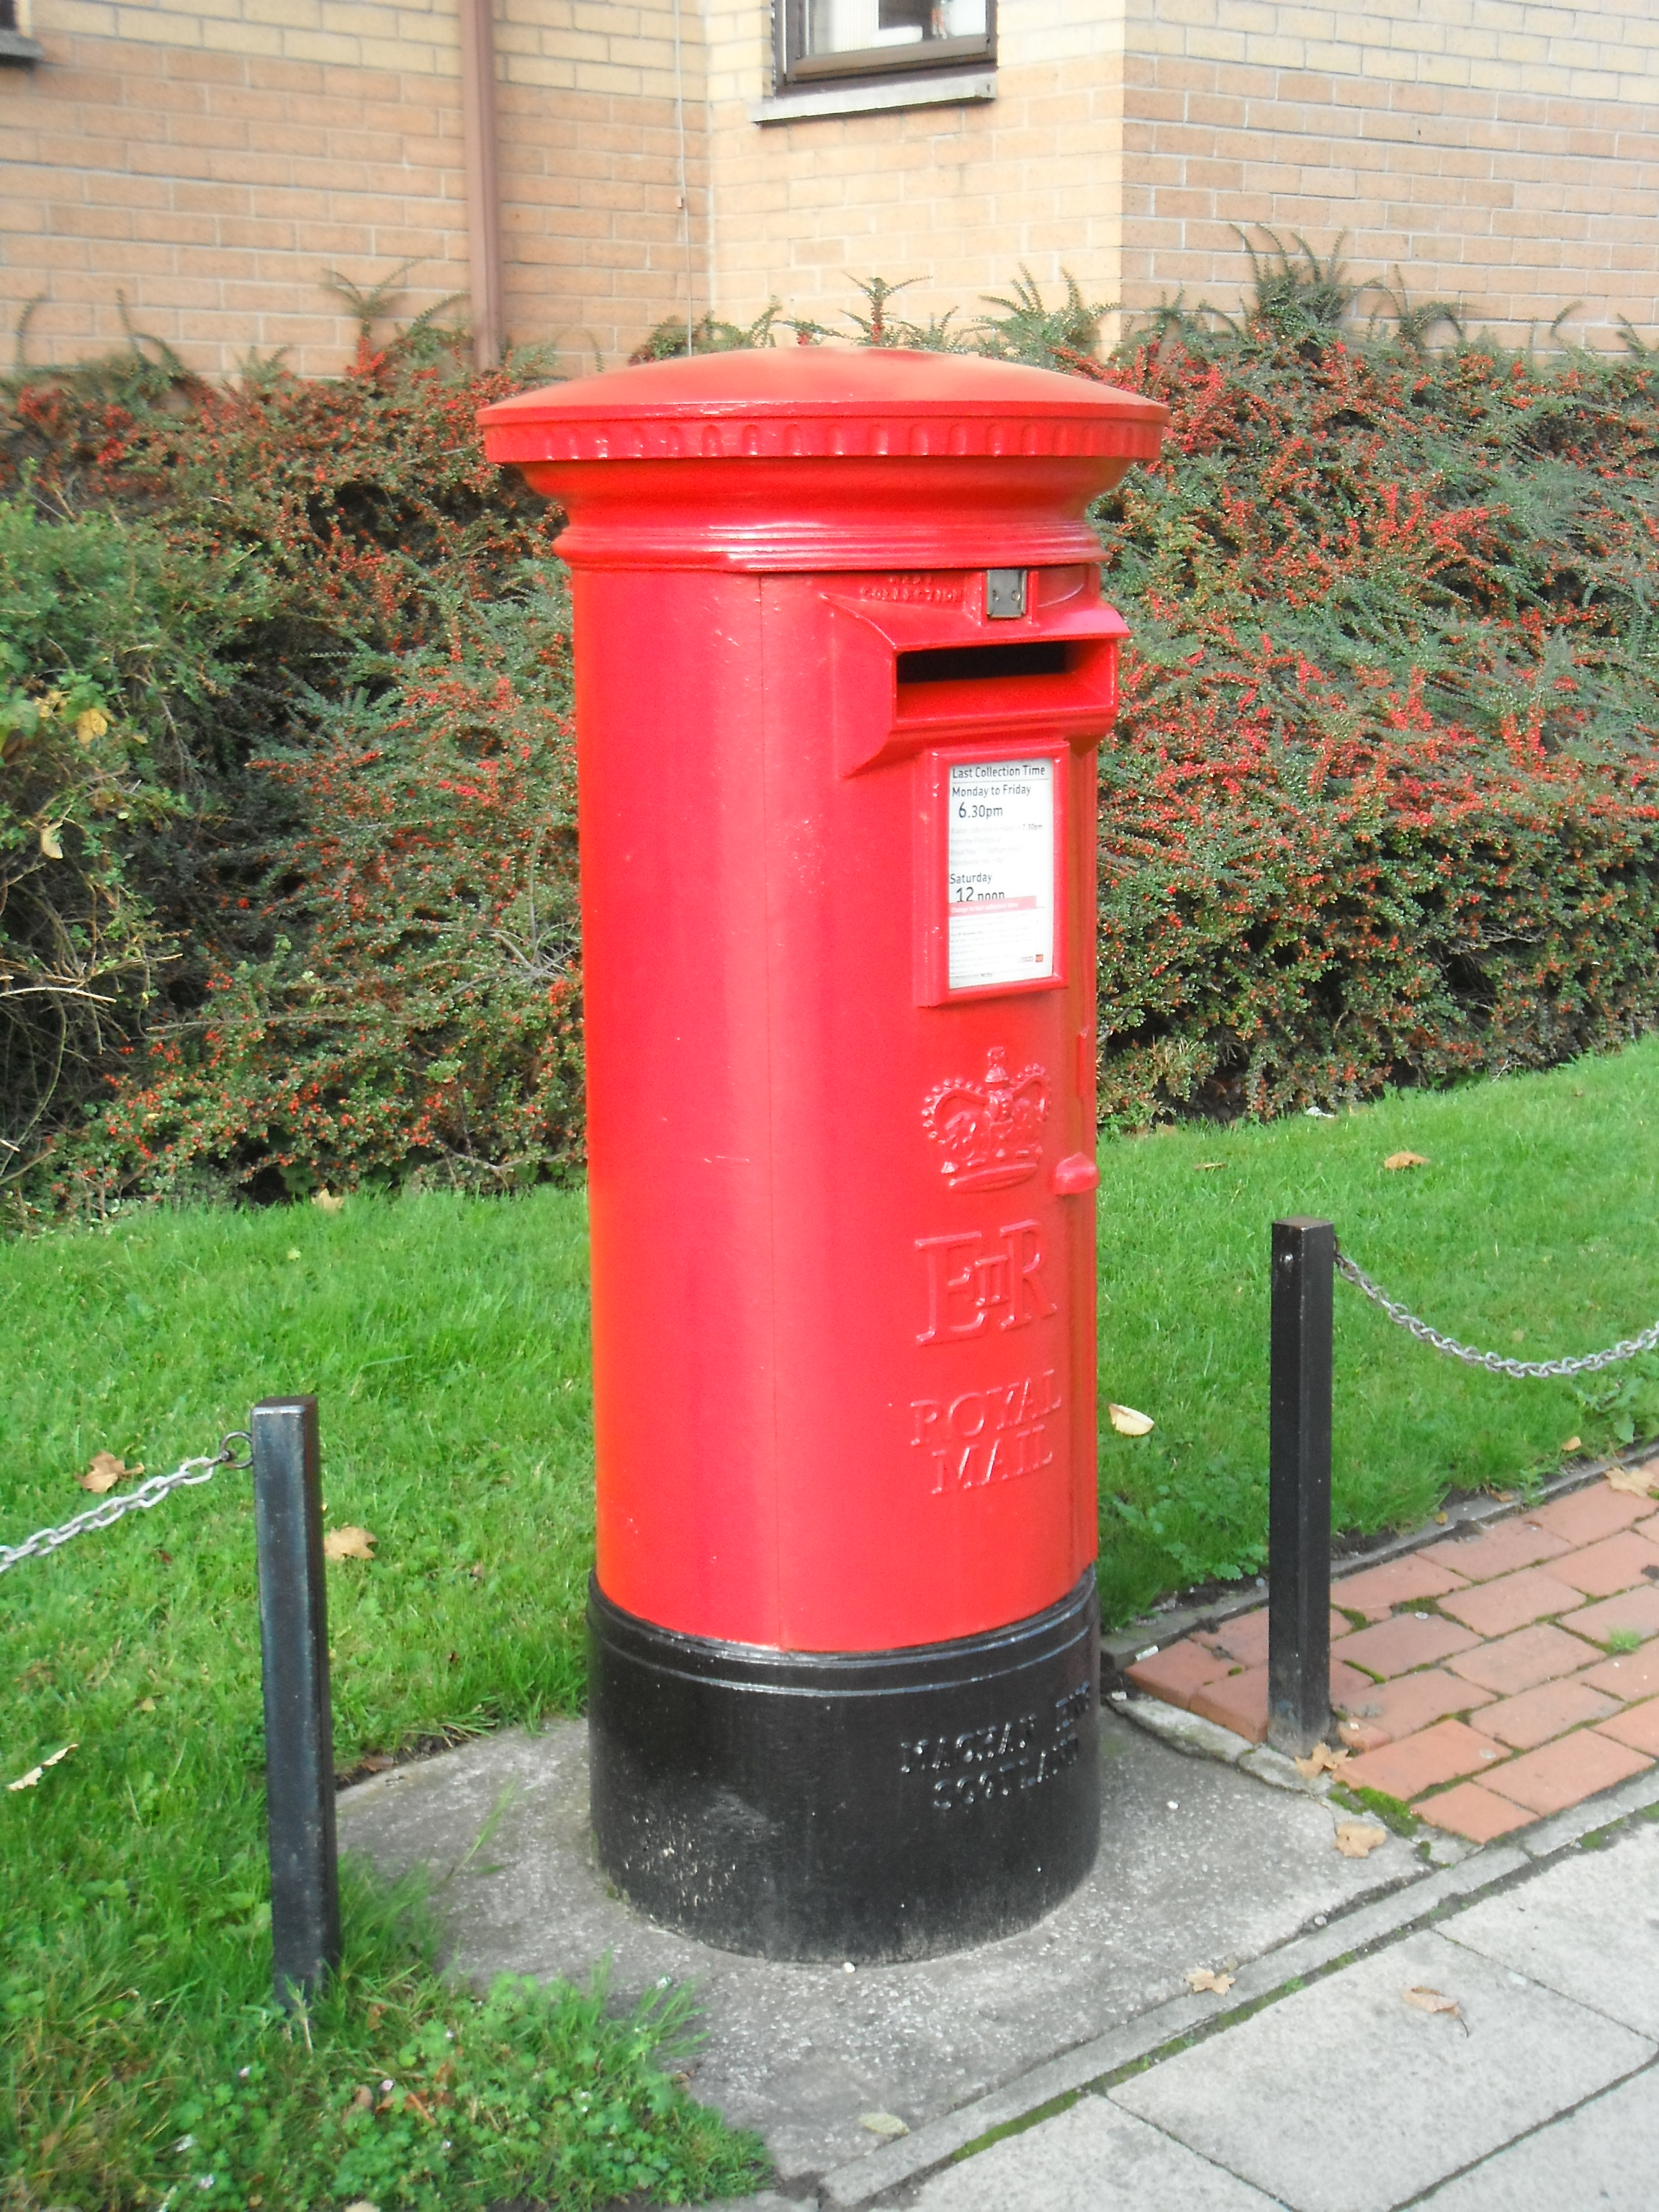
[990,1132]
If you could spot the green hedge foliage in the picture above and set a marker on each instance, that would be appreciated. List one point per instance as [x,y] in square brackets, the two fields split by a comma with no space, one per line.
[1382,805]
[353,875]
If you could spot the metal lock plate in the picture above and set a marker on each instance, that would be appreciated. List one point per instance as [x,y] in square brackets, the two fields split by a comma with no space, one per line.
[1005,594]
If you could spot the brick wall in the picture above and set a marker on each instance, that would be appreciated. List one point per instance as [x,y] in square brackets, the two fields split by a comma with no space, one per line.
[1500,153]
[957,196]
[209,159]
[210,166]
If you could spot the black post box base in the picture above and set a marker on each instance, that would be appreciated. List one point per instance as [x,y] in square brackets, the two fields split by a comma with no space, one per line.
[867,1806]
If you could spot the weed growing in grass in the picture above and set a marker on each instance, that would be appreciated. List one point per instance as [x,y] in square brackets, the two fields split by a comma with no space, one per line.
[1627,1399]
[396,2086]
[427,2098]
[1235,1495]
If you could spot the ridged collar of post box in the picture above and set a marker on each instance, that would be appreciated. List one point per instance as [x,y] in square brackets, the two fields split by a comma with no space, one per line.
[816,457]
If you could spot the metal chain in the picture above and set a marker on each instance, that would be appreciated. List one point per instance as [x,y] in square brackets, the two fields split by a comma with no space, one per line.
[1493,1362]
[112,1509]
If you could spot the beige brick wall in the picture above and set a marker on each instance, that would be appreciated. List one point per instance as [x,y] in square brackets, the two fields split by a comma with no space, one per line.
[1609,51]
[209,165]
[596,246]
[958,197]
[1503,153]
[209,159]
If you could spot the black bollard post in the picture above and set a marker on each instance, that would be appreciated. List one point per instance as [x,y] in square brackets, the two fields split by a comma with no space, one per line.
[288,1508]
[1299,1487]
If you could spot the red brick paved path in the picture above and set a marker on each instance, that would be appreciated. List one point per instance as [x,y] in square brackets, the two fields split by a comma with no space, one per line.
[1472,1677]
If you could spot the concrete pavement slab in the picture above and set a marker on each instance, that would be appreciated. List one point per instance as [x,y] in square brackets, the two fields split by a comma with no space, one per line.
[1181,1729]
[875,2176]
[767,2200]
[1602,2157]
[1344,2097]
[1199,1865]
[1588,1928]
[1091,2159]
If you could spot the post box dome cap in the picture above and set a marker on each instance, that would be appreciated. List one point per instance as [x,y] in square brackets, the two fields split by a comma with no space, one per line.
[810,401]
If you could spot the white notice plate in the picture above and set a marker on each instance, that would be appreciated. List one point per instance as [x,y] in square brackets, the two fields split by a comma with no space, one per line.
[1001,873]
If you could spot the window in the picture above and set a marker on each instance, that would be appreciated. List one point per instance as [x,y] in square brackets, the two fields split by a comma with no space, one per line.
[17,48]
[822,40]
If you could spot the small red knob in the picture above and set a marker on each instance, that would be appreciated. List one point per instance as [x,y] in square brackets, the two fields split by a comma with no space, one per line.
[1077,1172]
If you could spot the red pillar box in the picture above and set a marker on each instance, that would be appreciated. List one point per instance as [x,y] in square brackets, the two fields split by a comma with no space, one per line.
[842,667]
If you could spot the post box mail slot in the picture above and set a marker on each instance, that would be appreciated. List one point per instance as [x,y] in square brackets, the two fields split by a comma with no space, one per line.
[906,674]
[842,667]
[983,664]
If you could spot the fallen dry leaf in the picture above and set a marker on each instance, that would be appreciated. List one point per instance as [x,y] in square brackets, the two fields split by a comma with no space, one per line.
[49,843]
[1206,1167]
[1573,1443]
[1405,1160]
[1358,1839]
[90,724]
[105,1473]
[349,1543]
[1128,1422]
[1633,1481]
[1322,1760]
[325,1201]
[884,2124]
[31,1780]
[1432,2001]
[145,1705]
[1200,1977]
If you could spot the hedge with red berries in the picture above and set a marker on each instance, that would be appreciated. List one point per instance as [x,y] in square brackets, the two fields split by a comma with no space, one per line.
[341,839]
[1383,803]
[288,860]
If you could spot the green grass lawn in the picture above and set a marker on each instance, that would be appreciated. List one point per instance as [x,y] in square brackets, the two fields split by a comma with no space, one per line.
[446,1340]
[1531,1232]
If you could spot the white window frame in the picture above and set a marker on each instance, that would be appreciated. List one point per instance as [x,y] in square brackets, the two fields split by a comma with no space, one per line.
[917,60]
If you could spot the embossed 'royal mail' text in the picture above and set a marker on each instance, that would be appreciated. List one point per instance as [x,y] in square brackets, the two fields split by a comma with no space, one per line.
[992,1435]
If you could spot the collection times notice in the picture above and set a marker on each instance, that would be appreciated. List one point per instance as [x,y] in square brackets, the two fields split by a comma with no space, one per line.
[1000,872]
